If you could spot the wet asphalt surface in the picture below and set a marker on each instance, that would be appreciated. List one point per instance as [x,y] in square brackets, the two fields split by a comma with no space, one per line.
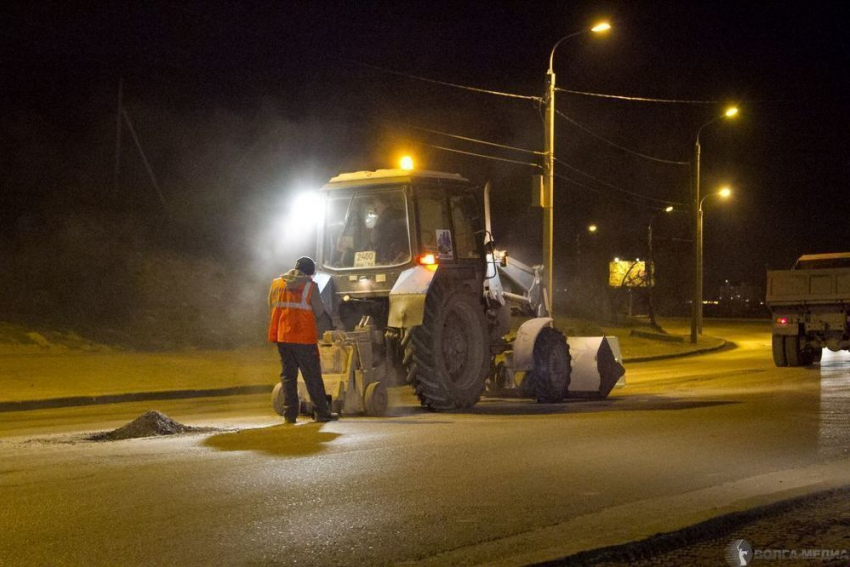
[510,481]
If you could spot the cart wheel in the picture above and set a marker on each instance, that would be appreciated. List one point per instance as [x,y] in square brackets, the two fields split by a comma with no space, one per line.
[375,399]
[277,398]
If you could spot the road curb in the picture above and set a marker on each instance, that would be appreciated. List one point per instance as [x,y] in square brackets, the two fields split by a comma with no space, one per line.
[705,350]
[52,403]
[668,542]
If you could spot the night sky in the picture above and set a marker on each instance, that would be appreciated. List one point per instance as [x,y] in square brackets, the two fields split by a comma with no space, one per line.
[237,105]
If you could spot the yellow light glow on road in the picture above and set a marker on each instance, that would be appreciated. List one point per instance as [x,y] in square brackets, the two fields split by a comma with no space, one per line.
[407,163]
[725,192]
[601,27]
[731,111]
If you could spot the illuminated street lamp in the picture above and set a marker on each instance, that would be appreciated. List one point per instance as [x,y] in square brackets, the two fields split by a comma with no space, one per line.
[723,193]
[548,201]
[696,308]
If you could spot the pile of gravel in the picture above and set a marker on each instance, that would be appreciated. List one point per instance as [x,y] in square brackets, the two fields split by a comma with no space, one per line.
[149,424]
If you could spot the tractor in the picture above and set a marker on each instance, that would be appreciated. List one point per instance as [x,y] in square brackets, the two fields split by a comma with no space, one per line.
[418,294]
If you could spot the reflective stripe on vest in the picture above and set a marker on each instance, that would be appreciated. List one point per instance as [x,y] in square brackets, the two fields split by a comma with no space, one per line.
[292,321]
[305,296]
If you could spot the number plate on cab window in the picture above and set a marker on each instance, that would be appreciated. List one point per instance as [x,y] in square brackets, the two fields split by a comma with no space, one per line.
[364,259]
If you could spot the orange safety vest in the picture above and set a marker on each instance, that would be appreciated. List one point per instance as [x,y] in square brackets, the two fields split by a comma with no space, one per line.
[292,319]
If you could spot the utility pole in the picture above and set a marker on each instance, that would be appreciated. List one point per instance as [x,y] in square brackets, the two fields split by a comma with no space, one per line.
[649,277]
[696,302]
[549,189]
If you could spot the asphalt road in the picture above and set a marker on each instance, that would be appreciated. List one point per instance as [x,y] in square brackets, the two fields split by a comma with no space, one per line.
[510,482]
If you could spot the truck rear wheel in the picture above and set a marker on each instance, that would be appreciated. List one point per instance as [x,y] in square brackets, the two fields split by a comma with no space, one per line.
[794,354]
[778,344]
[549,381]
[448,356]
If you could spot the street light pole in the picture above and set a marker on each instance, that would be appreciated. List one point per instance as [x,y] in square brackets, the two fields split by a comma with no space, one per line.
[549,187]
[696,323]
[549,169]
[696,303]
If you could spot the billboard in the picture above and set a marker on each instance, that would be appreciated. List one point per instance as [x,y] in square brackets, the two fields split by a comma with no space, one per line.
[629,273]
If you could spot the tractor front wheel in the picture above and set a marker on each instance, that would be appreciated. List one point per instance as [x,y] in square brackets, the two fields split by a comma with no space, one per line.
[448,356]
[549,381]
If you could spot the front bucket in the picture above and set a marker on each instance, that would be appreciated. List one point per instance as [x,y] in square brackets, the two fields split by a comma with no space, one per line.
[596,365]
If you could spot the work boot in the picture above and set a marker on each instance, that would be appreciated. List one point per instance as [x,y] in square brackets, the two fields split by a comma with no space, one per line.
[324,418]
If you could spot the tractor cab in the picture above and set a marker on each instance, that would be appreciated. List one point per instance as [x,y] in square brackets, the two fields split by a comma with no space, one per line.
[380,224]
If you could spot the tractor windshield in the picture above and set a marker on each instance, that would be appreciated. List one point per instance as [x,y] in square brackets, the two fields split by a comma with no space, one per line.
[366,230]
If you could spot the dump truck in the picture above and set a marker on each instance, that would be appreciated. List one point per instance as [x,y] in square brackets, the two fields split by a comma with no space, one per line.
[408,268]
[810,304]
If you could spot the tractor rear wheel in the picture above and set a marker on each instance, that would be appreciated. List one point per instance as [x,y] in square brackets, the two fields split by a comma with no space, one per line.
[549,381]
[448,356]
[778,344]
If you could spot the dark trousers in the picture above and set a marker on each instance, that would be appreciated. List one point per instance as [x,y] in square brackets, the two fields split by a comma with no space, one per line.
[293,357]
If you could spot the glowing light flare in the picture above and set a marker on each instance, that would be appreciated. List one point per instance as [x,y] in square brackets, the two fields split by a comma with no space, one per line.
[782,320]
[304,214]
[669,209]
[428,260]
[725,192]
[406,163]
[601,27]
[592,228]
[731,112]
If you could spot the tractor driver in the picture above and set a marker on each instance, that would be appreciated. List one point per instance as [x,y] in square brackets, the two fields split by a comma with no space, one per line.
[296,306]
[389,233]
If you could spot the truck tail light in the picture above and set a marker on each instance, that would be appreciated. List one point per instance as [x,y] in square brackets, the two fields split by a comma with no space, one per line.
[782,320]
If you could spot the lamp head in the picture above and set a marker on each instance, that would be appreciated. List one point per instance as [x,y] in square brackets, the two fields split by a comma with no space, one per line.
[725,192]
[669,209]
[601,27]
[731,112]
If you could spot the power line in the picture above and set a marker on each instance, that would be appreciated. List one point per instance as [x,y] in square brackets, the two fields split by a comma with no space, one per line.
[444,83]
[598,192]
[467,139]
[485,156]
[616,145]
[614,187]
[640,99]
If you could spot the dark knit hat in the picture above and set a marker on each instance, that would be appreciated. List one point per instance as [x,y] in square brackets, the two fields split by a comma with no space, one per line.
[306,265]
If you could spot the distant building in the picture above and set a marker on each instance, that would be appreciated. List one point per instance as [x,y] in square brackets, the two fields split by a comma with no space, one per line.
[736,299]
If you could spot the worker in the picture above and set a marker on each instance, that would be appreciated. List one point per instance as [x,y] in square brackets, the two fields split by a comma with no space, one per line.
[296,306]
